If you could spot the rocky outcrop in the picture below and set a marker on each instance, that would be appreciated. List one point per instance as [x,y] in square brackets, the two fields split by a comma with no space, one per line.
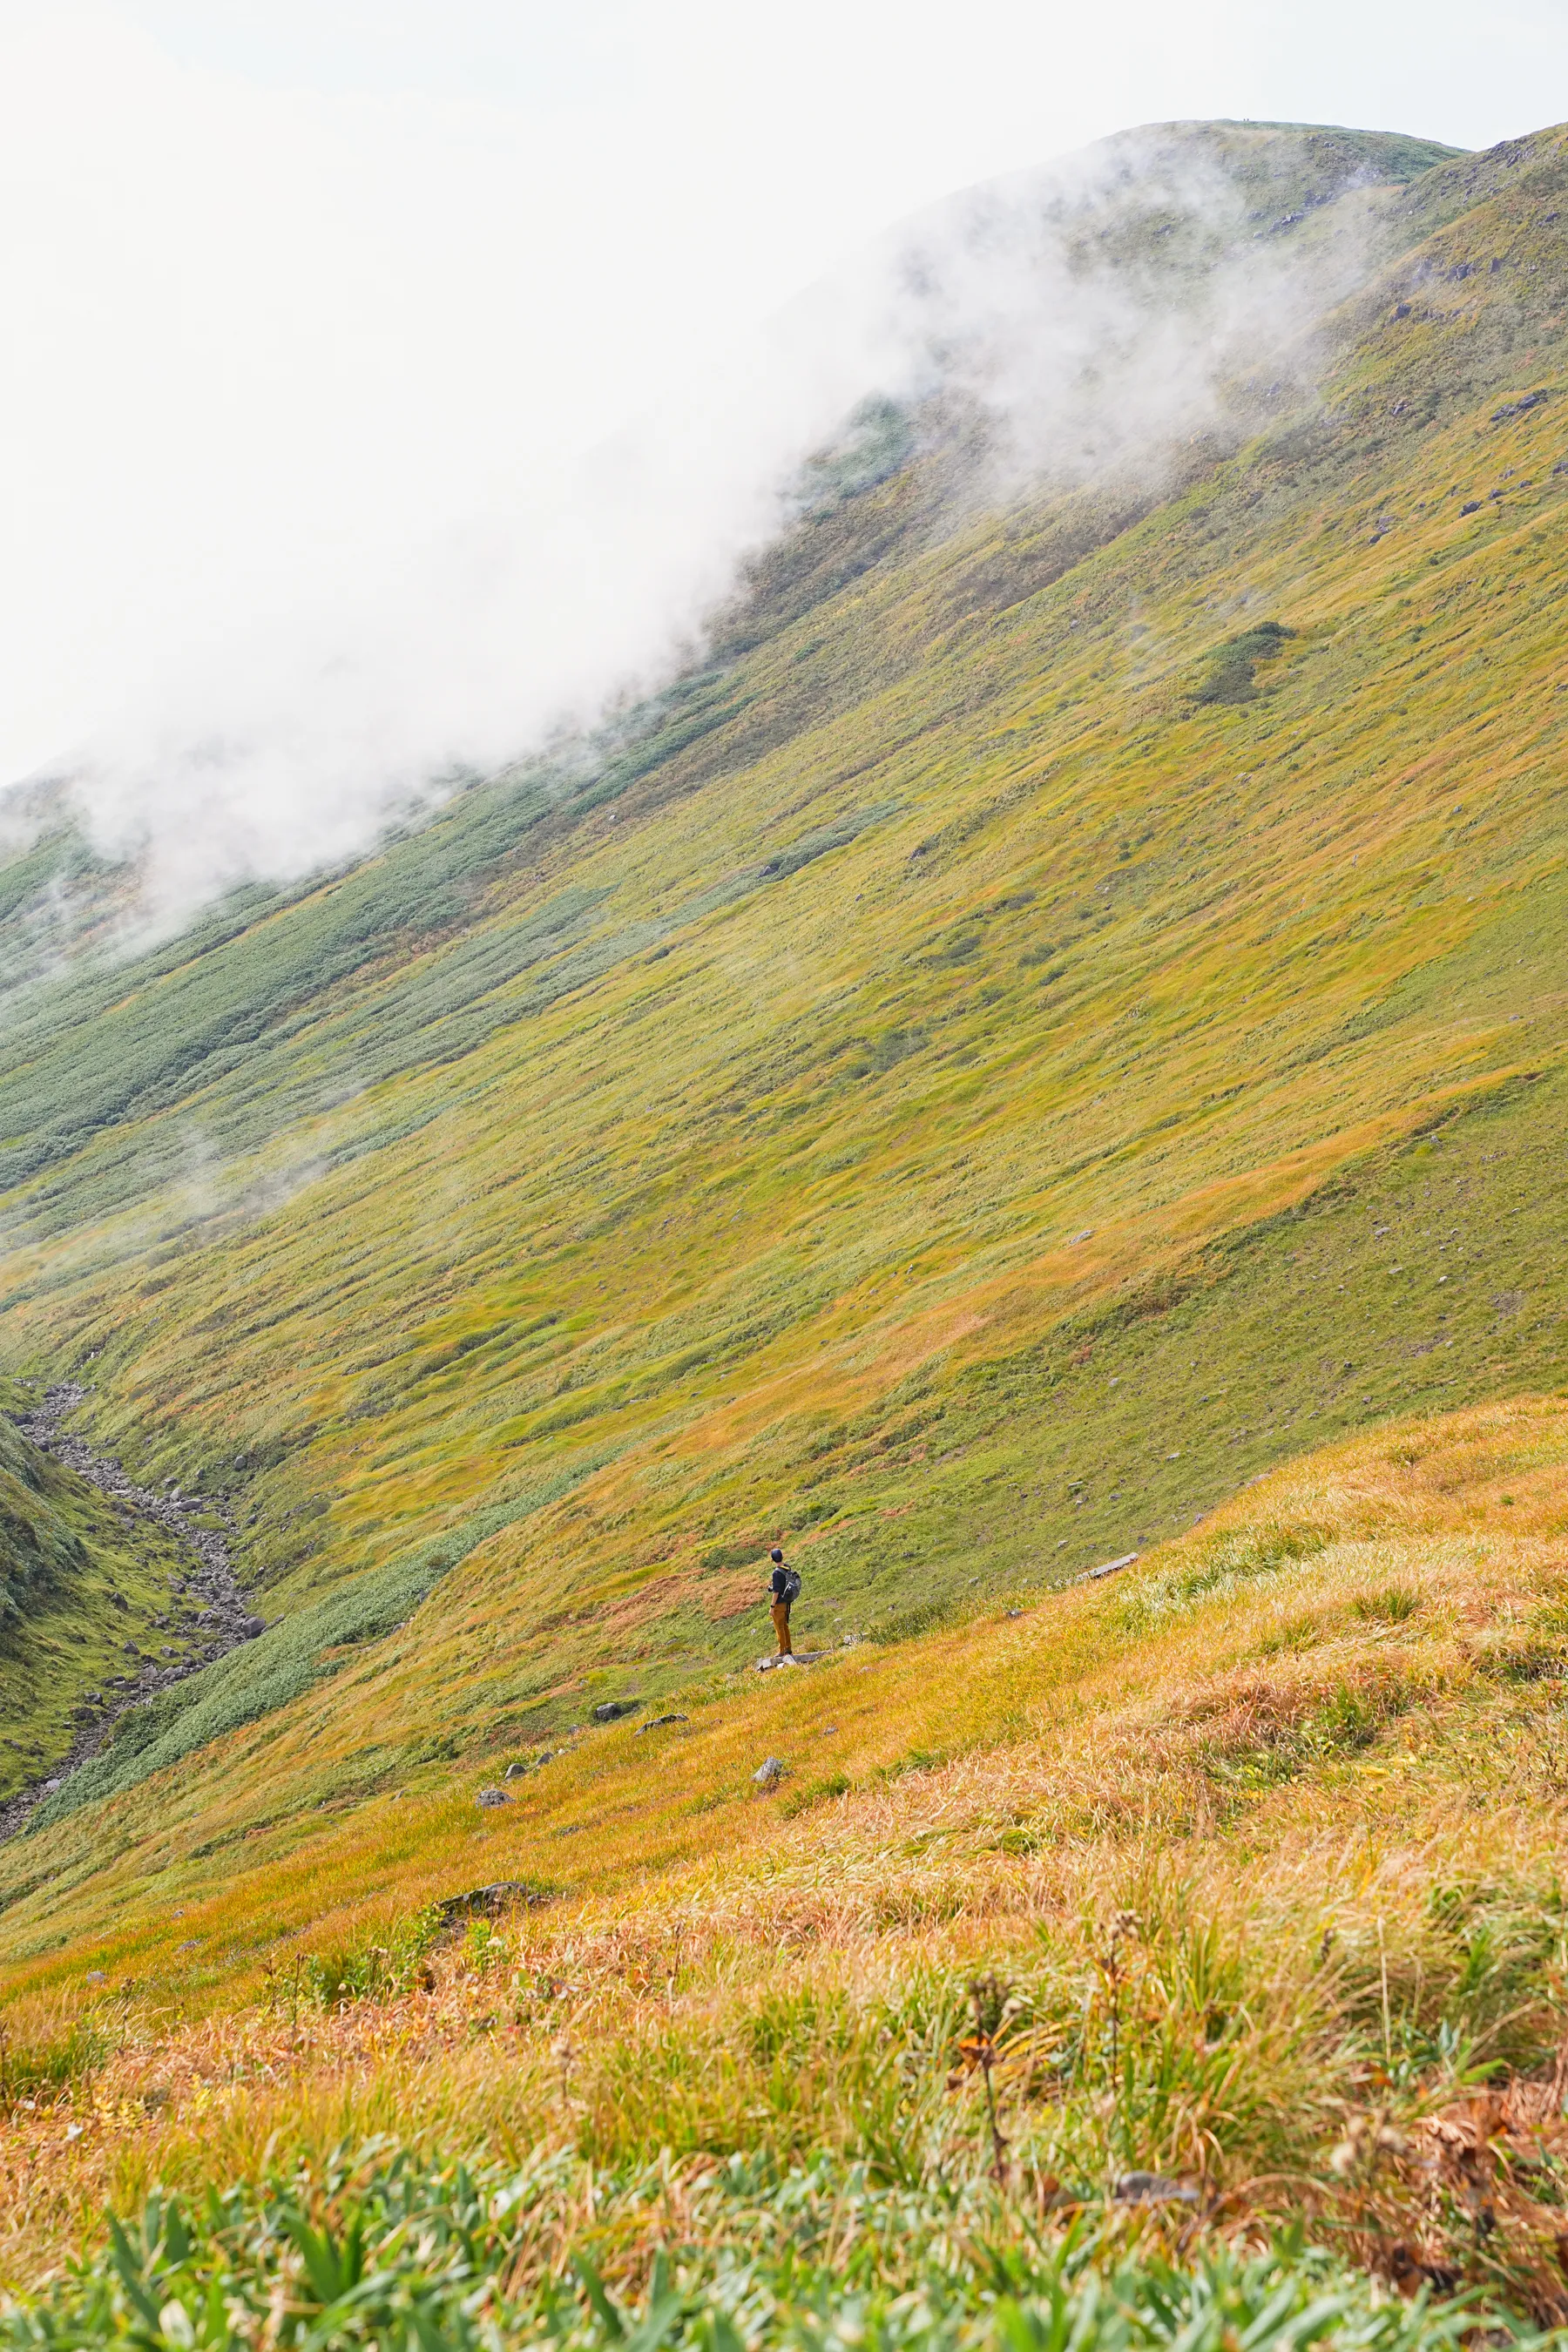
[223,1618]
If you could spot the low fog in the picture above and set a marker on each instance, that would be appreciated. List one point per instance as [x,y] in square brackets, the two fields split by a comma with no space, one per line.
[335,478]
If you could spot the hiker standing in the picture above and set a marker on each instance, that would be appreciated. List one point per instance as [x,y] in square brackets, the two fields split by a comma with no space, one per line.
[784,1586]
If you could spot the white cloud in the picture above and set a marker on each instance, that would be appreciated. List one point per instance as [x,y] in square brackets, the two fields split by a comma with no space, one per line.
[316,312]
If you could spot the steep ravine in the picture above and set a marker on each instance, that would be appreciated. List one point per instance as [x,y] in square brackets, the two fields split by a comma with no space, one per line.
[221,1616]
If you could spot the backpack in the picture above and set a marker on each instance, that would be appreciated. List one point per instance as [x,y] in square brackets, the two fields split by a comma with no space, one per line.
[791,1585]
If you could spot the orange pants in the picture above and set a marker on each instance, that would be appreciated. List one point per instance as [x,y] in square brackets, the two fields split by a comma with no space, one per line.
[780,1627]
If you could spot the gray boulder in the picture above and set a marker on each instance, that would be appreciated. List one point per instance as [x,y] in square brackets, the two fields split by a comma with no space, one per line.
[1154,2189]
[490,1901]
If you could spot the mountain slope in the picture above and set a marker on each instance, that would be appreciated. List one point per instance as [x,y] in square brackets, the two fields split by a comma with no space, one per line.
[1046,1046]
[1232,1880]
[86,1609]
[1060,1014]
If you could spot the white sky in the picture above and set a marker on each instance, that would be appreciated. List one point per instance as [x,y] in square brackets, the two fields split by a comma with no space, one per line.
[312,304]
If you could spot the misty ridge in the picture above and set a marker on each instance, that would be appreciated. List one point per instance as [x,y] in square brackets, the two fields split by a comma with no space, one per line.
[1112,321]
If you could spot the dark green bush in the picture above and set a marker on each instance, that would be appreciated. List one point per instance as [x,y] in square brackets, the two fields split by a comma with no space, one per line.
[1229,674]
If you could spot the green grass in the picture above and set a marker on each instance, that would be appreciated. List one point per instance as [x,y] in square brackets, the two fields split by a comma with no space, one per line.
[381,2250]
[84,1596]
[281,1664]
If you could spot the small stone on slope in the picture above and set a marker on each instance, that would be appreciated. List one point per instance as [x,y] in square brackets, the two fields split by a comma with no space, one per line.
[1154,2189]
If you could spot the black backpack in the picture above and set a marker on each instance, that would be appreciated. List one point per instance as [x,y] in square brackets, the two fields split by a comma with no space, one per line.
[791,1585]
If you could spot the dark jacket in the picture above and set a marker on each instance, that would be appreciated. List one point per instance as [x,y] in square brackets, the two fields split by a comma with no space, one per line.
[779,1582]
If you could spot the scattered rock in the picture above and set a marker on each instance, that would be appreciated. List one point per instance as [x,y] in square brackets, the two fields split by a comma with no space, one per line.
[657,1722]
[490,1900]
[610,1711]
[1517,407]
[95,1976]
[515,1770]
[1474,507]
[489,1797]
[769,1775]
[1152,2189]
[210,1582]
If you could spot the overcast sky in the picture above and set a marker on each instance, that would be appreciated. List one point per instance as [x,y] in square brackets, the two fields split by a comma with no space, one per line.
[303,295]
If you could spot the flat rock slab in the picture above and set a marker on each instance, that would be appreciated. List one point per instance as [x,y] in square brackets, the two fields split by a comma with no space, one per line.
[1093,1575]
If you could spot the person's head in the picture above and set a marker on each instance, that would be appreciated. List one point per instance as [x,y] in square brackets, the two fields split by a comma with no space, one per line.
[776,1557]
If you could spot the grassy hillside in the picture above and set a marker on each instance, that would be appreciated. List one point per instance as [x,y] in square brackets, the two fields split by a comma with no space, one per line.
[91,1606]
[1037,915]
[1249,1859]
[1059,1015]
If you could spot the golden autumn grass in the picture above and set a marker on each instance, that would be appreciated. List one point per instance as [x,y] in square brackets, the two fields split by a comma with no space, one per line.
[1279,1809]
